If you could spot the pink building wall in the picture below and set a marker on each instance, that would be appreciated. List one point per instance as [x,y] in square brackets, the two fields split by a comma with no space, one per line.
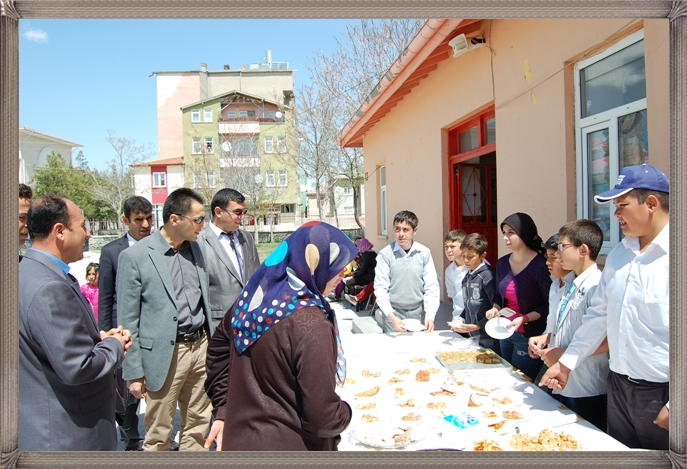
[174,91]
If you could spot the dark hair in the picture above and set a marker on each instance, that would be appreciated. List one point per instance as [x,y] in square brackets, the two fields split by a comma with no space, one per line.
[93,265]
[25,192]
[475,242]
[552,242]
[455,235]
[642,194]
[44,213]
[224,196]
[584,231]
[137,204]
[179,201]
[526,229]
[406,216]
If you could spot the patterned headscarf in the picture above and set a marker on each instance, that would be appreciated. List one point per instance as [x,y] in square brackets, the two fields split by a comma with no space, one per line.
[363,244]
[290,279]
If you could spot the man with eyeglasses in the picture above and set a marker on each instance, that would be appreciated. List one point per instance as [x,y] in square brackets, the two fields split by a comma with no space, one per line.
[230,253]
[162,295]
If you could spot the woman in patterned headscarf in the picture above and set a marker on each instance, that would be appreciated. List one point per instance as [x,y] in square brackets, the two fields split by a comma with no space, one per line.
[275,358]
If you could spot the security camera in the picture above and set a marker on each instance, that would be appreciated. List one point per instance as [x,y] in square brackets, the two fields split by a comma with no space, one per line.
[478,41]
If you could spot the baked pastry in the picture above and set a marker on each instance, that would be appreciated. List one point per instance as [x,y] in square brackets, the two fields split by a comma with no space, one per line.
[403,372]
[422,375]
[437,405]
[417,360]
[368,406]
[402,438]
[367,418]
[482,390]
[512,415]
[505,401]
[490,415]
[498,425]
[395,380]
[350,381]
[408,403]
[474,403]
[547,440]
[486,445]
[369,374]
[411,417]
[434,371]
[399,392]
[443,392]
[368,393]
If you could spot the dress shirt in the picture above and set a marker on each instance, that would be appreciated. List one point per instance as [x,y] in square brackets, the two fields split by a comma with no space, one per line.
[62,265]
[226,244]
[189,299]
[555,296]
[454,287]
[131,240]
[631,307]
[429,278]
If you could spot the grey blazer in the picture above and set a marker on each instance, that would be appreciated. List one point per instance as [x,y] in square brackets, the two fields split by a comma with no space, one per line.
[146,305]
[225,281]
[66,372]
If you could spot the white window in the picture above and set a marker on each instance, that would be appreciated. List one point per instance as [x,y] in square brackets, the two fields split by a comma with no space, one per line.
[207,115]
[281,144]
[197,179]
[243,113]
[195,115]
[159,179]
[245,146]
[382,200]
[209,147]
[211,178]
[269,180]
[196,146]
[282,178]
[231,114]
[347,191]
[270,114]
[269,144]
[611,126]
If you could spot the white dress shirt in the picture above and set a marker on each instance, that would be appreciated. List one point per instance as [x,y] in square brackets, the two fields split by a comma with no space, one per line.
[429,277]
[631,307]
[556,293]
[131,240]
[226,244]
[454,287]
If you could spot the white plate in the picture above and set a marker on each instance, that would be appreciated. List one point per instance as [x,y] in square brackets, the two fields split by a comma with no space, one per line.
[380,434]
[413,325]
[496,328]
[456,323]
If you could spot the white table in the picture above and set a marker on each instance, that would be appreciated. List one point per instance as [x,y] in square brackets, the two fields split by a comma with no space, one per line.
[389,353]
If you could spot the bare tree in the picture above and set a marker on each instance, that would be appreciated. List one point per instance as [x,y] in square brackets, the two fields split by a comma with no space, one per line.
[115,183]
[341,81]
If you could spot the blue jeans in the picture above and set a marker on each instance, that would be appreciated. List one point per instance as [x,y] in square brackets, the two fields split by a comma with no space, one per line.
[514,351]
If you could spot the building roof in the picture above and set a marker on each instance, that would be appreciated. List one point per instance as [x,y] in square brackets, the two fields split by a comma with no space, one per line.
[45,136]
[178,160]
[421,57]
[243,93]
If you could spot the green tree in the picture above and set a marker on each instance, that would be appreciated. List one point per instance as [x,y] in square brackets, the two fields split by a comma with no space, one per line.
[57,177]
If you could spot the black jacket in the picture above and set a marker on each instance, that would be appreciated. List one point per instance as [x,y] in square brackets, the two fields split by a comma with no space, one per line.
[480,292]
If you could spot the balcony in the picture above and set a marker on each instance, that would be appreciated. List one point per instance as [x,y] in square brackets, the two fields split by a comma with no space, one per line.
[242,125]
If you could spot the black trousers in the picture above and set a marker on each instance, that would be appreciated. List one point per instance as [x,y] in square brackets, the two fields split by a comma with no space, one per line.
[632,409]
[592,409]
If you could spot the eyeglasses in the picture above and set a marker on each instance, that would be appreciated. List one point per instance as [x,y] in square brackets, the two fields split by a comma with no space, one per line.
[197,221]
[562,247]
[238,212]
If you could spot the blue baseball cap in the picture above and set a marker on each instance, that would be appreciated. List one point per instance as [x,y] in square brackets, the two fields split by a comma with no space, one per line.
[641,176]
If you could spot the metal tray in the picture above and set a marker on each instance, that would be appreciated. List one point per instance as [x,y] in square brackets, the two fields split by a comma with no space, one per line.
[503,365]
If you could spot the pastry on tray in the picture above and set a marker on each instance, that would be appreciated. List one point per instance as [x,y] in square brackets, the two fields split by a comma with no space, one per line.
[368,393]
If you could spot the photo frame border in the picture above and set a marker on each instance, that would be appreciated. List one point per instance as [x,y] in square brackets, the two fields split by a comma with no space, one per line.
[12,12]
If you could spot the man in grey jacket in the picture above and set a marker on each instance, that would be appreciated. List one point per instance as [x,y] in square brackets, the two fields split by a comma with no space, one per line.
[162,291]
[230,252]
[66,366]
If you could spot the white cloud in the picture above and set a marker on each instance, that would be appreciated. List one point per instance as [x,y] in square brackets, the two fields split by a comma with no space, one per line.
[36,35]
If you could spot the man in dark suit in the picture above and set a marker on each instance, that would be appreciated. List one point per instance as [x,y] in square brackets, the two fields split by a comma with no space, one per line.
[162,291]
[230,252]
[66,366]
[25,196]
[138,217]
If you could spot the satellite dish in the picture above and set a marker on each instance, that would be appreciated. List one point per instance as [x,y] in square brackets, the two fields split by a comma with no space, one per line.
[226,146]
[278,114]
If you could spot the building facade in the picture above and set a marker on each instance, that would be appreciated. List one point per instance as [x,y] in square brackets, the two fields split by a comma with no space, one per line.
[34,148]
[155,179]
[531,116]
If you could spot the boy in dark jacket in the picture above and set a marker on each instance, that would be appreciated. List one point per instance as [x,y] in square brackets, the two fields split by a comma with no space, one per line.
[479,289]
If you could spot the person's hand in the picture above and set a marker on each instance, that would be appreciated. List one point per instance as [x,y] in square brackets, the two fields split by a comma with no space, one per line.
[112,332]
[216,433]
[663,418]
[117,333]
[397,323]
[128,341]
[137,387]
[465,328]
[550,356]
[429,325]
[516,323]
[536,344]
[556,377]
[492,313]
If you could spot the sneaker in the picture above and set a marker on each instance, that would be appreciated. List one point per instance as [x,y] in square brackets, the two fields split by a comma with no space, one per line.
[351,299]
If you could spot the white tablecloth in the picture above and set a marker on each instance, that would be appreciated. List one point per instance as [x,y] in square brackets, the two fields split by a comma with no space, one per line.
[389,353]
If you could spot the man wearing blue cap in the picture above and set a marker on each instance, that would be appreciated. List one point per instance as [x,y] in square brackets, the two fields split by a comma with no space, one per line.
[630,308]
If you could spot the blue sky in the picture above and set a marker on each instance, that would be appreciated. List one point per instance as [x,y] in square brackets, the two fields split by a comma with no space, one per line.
[80,78]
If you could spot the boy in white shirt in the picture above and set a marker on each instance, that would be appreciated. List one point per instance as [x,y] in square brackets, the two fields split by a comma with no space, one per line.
[585,393]
[456,270]
[630,308]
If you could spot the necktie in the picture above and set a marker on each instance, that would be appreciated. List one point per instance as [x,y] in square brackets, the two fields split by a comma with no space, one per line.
[236,251]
